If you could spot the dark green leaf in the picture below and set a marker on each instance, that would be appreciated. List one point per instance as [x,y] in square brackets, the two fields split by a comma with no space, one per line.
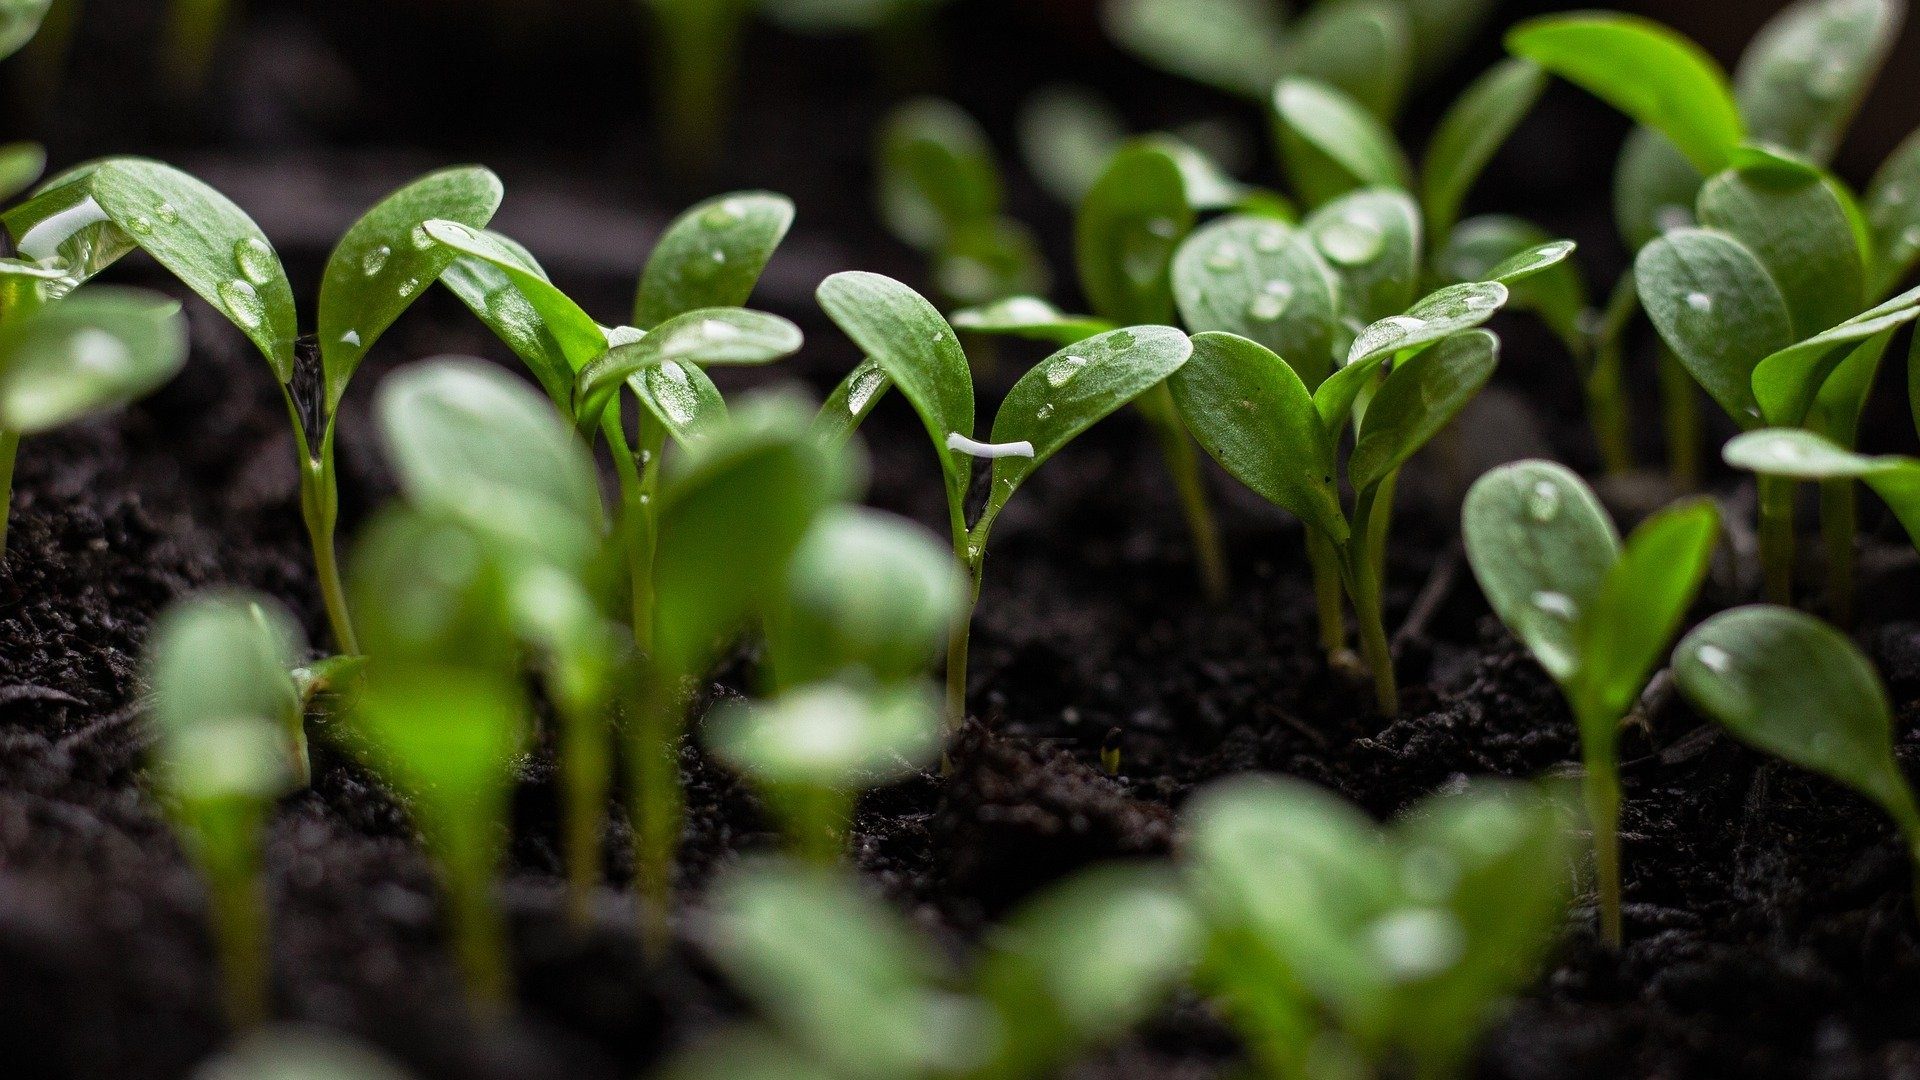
[1717,308]
[1654,188]
[19,21]
[1442,314]
[1067,135]
[1332,145]
[1893,214]
[722,336]
[1790,219]
[1645,70]
[1442,28]
[1625,630]
[1472,131]
[1804,455]
[1372,239]
[1126,233]
[96,350]
[1786,383]
[1362,48]
[1030,317]
[1558,293]
[385,262]
[1236,45]
[1253,414]
[20,165]
[937,173]
[852,401]
[1263,280]
[987,260]
[1419,398]
[1808,69]
[712,256]
[575,336]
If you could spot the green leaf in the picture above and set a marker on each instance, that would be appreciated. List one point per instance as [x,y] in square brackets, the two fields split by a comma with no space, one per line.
[385,262]
[1797,688]
[1032,318]
[868,592]
[219,666]
[1787,383]
[210,244]
[1417,400]
[1804,455]
[852,401]
[1332,145]
[1626,628]
[1649,72]
[1126,233]
[1893,215]
[682,397]
[1235,45]
[841,974]
[1654,188]
[428,589]
[733,508]
[20,165]
[96,350]
[937,173]
[1443,28]
[898,330]
[1067,135]
[722,336]
[830,736]
[1718,309]
[1253,415]
[19,21]
[62,226]
[1447,311]
[1362,48]
[517,293]
[1072,390]
[1372,239]
[1480,248]
[470,441]
[988,260]
[1263,280]
[712,256]
[1790,219]
[1480,121]
[1541,548]
[1208,186]
[1806,72]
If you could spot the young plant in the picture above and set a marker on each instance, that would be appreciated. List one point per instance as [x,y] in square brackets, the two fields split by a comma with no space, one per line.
[1596,614]
[229,742]
[940,193]
[851,989]
[1803,455]
[92,216]
[61,362]
[1796,89]
[909,345]
[1793,686]
[1338,948]
[1404,379]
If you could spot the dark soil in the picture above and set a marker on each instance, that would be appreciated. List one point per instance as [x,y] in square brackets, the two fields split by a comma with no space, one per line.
[1770,922]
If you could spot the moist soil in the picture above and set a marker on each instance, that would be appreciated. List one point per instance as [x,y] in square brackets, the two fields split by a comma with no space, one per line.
[1770,925]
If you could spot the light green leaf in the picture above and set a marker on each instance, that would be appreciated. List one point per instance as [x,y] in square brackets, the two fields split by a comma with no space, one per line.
[1372,239]
[898,330]
[852,401]
[1440,315]
[1067,135]
[1786,383]
[1253,415]
[62,226]
[1480,121]
[219,666]
[1806,72]
[830,736]
[385,262]
[1332,145]
[1795,687]
[1263,280]
[1126,233]
[96,350]
[426,588]
[19,21]
[937,173]
[1208,185]
[1541,548]
[1362,48]
[577,338]
[20,165]
[988,260]
[470,441]
[1649,72]
[721,336]
[1236,45]
[1893,215]
[682,397]
[1718,309]
[1626,628]
[1072,390]
[210,244]
[1482,245]
[1418,399]
[712,256]
[1804,455]
[1030,317]
[1791,220]
[1654,188]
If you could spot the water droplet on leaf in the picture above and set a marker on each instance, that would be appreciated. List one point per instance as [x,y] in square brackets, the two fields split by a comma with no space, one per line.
[242,303]
[1062,371]
[255,260]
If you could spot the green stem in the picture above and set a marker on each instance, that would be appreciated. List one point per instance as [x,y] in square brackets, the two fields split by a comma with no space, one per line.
[479,936]
[1600,789]
[639,534]
[1680,402]
[1176,445]
[193,32]
[698,60]
[818,819]
[658,806]
[973,561]
[320,508]
[1607,411]
[1839,521]
[1364,588]
[585,776]
[9,450]
[1776,538]
[1329,594]
[226,837]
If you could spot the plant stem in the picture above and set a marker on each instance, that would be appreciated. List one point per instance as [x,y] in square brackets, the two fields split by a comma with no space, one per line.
[1329,594]
[1176,445]
[973,557]
[193,31]
[1839,521]
[479,936]
[1606,409]
[1363,586]
[1600,788]
[1680,402]
[585,777]
[639,535]
[9,450]
[657,805]
[320,508]
[697,59]
[819,818]
[225,836]
[1776,538]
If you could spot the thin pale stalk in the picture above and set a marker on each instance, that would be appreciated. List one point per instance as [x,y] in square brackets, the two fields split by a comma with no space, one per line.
[959,639]
[226,839]
[9,450]
[1607,409]
[479,936]
[698,59]
[1839,522]
[1330,595]
[1776,538]
[658,806]
[1364,587]
[639,536]
[1183,464]
[1600,790]
[1680,405]
[320,509]
[586,776]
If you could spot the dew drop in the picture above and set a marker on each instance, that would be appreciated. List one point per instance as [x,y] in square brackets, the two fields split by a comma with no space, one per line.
[242,303]
[1046,412]
[1543,502]
[674,393]
[351,337]
[1352,241]
[140,225]
[1557,604]
[863,388]
[1671,217]
[1062,371]
[254,259]
[167,213]
[1267,307]
[1714,659]
[421,238]
[375,260]
[1700,302]
[408,287]
[1225,257]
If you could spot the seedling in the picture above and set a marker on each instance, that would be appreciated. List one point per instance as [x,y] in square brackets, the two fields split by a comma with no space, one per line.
[1338,948]
[1803,455]
[229,743]
[1596,615]
[90,217]
[1404,379]
[941,193]
[813,749]
[910,346]
[61,362]
[1796,688]
[1796,89]
[853,990]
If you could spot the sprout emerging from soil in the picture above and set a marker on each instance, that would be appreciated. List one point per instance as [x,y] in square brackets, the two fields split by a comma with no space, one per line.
[1338,948]
[229,742]
[1596,614]
[910,346]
